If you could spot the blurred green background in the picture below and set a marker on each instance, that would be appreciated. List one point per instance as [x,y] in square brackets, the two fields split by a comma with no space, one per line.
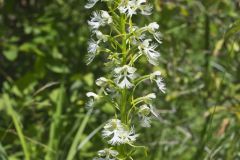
[43,81]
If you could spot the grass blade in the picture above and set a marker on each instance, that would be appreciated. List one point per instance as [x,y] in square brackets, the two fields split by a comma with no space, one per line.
[53,136]
[73,149]
[17,125]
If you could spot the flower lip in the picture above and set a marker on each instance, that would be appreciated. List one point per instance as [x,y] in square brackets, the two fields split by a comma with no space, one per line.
[124,75]
[156,76]
[153,26]
[91,3]
[149,50]
[99,18]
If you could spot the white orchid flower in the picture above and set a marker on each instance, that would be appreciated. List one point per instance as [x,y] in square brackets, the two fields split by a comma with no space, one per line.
[124,76]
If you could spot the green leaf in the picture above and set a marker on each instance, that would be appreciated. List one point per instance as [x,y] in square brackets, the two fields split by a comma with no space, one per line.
[31,48]
[11,54]
[3,154]
[108,108]
[234,29]
[88,78]
[58,68]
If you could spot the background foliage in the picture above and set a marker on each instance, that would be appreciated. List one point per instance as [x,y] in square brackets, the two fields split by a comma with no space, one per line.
[43,80]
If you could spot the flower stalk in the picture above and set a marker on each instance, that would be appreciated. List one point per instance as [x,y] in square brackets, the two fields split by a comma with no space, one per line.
[115,34]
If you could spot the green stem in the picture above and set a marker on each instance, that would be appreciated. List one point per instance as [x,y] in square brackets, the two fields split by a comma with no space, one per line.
[73,149]
[124,61]
[54,136]
[124,44]
[14,116]
[124,107]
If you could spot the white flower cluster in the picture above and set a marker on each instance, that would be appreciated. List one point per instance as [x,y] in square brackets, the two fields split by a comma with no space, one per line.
[118,133]
[130,7]
[124,45]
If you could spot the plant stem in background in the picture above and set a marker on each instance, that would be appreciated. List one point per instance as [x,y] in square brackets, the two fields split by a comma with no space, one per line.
[73,149]
[56,122]
[17,125]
